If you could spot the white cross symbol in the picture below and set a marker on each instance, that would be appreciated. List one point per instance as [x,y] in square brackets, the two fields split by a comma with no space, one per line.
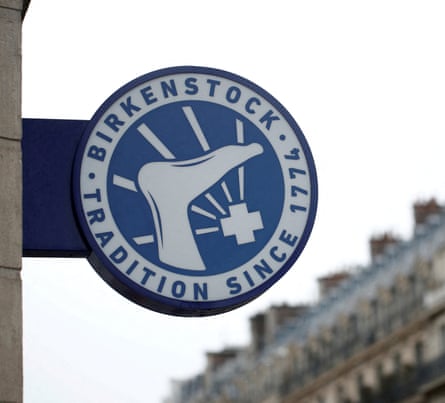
[241,223]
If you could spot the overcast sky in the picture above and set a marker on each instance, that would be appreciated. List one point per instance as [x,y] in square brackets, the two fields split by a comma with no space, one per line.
[364,80]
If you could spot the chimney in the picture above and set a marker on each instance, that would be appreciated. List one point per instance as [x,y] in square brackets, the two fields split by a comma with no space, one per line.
[258,332]
[423,210]
[327,283]
[277,316]
[379,244]
[216,359]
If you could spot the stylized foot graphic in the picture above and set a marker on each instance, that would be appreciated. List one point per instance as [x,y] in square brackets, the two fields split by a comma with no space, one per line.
[170,187]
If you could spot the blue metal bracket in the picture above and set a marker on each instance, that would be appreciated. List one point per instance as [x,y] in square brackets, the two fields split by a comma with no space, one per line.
[50,227]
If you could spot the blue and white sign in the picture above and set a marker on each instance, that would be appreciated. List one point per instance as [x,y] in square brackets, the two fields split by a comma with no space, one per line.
[195,189]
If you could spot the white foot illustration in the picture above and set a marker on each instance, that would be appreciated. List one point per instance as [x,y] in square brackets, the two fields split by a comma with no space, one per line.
[170,187]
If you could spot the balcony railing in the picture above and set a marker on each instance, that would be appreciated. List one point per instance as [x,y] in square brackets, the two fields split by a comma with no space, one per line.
[406,383]
[346,345]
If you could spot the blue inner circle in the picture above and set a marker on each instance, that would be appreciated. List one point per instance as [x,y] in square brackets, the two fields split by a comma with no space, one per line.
[263,183]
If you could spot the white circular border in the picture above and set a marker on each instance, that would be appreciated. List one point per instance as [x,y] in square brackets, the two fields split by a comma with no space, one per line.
[294,223]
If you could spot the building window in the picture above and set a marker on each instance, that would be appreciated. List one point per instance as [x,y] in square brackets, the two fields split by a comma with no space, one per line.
[321,399]
[360,384]
[374,310]
[341,397]
[397,363]
[442,338]
[379,374]
[419,353]
[353,325]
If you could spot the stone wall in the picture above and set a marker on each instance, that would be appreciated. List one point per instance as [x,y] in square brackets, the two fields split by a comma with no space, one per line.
[11,372]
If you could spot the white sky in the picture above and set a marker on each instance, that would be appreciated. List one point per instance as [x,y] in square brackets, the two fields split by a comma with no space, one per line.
[364,80]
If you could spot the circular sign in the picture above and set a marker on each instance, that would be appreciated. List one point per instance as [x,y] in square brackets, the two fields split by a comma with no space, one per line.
[195,189]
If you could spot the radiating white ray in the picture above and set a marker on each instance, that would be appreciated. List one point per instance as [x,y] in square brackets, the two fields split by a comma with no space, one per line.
[144,239]
[190,115]
[239,131]
[226,192]
[203,212]
[240,140]
[215,204]
[241,182]
[160,147]
[124,183]
[209,230]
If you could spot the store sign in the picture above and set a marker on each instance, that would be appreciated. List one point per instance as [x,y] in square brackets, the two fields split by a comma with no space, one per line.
[195,189]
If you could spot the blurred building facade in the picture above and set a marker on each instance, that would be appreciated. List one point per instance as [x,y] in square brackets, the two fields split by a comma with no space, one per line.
[376,335]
